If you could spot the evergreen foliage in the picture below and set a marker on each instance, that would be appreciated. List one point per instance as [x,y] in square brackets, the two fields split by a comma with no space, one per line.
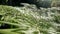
[29,20]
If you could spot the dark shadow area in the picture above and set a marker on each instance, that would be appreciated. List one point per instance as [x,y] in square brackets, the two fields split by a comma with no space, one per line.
[15,2]
[1,33]
[7,26]
[0,17]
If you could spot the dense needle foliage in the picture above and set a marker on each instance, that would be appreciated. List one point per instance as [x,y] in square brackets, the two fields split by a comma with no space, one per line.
[29,20]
